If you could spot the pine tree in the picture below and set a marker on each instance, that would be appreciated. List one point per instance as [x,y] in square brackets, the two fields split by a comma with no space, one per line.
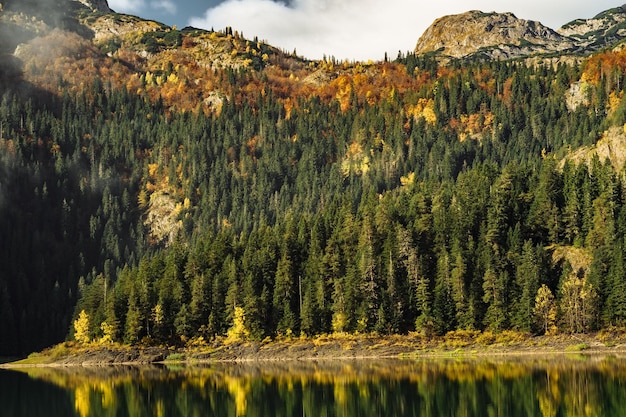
[527,279]
[134,320]
[285,297]
[459,291]
[494,287]
[443,304]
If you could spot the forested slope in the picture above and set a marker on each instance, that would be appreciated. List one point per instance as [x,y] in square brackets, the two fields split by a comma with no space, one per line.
[316,196]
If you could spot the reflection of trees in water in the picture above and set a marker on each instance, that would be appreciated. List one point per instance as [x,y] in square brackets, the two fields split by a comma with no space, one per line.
[548,387]
[549,393]
[582,394]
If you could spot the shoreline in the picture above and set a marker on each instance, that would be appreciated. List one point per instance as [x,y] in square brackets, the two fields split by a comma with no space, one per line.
[331,348]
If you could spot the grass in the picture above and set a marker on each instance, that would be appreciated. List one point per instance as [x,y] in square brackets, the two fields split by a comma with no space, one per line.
[577,347]
[175,357]
[48,355]
[460,342]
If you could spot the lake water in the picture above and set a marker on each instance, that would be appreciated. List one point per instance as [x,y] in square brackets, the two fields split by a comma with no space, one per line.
[577,386]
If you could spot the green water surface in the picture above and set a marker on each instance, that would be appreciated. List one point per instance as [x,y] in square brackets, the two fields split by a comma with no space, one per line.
[538,386]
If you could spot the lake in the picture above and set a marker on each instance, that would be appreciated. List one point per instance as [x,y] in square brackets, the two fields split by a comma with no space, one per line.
[546,386]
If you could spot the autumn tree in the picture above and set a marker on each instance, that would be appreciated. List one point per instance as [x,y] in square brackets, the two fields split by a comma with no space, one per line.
[81,328]
[544,311]
[238,331]
[578,303]
[108,333]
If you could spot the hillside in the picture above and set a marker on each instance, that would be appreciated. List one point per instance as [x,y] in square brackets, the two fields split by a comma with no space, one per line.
[604,30]
[184,185]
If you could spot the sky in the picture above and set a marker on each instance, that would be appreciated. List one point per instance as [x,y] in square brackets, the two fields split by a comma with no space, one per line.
[356,30]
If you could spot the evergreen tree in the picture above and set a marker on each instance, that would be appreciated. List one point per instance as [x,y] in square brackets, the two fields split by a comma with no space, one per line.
[528,277]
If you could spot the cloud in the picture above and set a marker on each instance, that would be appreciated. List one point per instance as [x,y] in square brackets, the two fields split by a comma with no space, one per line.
[156,8]
[366,29]
[127,6]
[354,29]
[166,6]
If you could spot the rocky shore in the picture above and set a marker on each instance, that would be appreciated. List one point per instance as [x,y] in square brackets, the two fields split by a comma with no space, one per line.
[461,343]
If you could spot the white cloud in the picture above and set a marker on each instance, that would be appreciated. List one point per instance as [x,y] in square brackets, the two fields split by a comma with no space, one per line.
[366,29]
[167,6]
[127,6]
[354,29]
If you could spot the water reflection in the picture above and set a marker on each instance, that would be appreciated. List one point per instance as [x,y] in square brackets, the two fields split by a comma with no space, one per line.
[549,387]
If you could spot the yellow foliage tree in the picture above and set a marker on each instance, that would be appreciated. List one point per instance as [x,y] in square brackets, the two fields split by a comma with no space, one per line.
[339,322]
[238,331]
[108,333]
[545,310]
[172,78]
[149,78]
[578,302]
[81,328]
[408,179]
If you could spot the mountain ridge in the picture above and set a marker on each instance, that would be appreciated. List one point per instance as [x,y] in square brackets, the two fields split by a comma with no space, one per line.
[492,35]
[497,35]
[470,35]
[95,5]
[172,182]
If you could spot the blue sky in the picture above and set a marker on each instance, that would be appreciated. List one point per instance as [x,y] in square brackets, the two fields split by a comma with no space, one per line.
[345,29]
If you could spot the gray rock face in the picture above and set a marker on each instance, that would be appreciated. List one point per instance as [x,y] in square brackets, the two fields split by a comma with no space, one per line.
[492,35]
[476,34]
[605,29]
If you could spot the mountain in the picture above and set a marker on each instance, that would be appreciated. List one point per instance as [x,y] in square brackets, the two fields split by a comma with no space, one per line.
[23,20]
[476,34]
[490,35]
[33,6]
[605,29]
[170,182]
[101,6]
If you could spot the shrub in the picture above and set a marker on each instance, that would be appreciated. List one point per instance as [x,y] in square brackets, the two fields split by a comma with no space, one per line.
[508,337]
[486,338]
[175,357]
[460,338]
[577,348]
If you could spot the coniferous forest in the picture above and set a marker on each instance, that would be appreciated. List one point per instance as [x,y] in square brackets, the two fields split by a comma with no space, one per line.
[404,196]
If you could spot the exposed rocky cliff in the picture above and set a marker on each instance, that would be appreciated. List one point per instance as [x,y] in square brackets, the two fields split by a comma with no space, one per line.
[611,147]
[605,29]
[476,34]
[491,35]
[96,5]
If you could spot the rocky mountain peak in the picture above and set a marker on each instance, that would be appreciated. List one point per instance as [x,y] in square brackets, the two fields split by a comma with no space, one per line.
[96,5]
[607,28]
[493,35]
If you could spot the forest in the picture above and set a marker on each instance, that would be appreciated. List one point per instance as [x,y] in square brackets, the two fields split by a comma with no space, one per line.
[401,196]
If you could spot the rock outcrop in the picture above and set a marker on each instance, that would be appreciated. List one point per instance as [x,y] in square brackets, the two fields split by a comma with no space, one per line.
[96,5]
[611,147]
[476,34]
[491,35]
[605,29]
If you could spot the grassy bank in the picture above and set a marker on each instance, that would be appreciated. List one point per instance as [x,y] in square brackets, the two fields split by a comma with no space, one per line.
[335,346]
